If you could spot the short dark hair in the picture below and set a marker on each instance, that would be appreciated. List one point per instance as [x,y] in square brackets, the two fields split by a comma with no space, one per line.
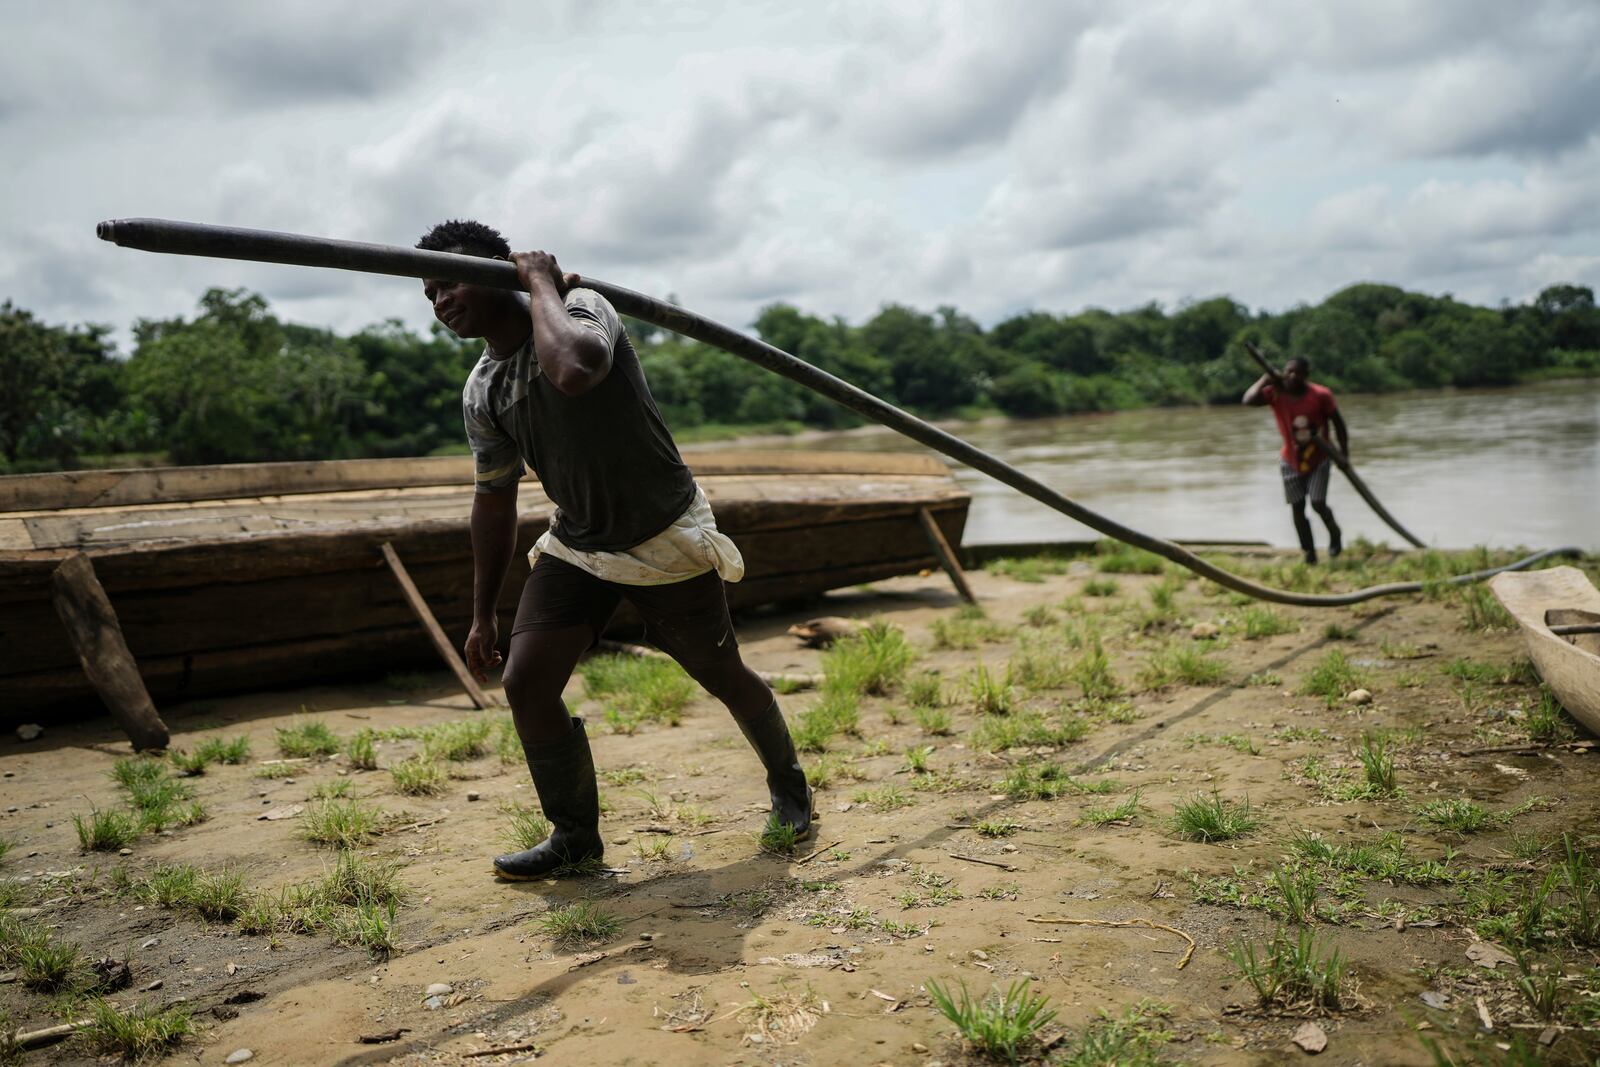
[1305,364]
[468,237]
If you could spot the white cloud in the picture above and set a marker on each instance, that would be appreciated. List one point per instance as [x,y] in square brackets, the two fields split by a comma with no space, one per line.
[995,157]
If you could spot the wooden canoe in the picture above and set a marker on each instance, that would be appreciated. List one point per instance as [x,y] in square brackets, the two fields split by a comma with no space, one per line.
[1569,664]
[243,576]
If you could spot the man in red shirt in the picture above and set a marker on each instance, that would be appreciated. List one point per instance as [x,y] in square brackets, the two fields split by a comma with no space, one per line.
[1304,411]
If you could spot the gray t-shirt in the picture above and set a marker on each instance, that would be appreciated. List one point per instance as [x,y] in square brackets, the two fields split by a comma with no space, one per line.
[605,458]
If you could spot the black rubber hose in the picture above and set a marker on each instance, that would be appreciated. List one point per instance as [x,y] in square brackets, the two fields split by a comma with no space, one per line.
[198,239]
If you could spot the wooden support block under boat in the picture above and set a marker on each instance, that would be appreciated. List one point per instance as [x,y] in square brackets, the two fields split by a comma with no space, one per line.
[947,557]
[91,625]
[441,643]
[1569,664]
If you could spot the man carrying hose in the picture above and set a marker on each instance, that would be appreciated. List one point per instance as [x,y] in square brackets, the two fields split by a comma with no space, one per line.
[559,387]
[1304,410]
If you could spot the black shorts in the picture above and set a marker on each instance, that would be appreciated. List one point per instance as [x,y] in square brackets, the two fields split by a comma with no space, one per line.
[687,620]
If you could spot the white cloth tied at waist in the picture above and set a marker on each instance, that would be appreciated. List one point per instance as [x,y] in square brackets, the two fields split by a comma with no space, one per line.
[690,547]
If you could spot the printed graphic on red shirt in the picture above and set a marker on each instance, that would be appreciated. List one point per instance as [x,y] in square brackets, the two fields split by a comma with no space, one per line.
[1300,419]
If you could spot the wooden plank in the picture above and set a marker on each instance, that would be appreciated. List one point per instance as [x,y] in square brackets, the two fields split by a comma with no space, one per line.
[143,485]
[947,558]
[88,489]
[15,536]
[91,624]
[446,650]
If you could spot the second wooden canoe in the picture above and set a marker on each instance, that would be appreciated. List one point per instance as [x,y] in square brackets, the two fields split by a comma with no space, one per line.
[1569,664]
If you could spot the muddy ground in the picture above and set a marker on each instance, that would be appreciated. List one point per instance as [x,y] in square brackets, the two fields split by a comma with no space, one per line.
[728,954]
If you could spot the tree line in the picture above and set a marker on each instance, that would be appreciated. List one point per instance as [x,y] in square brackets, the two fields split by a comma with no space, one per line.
[234,383]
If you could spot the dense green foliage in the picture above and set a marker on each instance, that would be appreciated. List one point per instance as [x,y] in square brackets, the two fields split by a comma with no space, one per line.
[235,383]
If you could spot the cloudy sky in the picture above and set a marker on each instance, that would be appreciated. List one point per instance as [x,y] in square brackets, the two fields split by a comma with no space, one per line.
[998,156]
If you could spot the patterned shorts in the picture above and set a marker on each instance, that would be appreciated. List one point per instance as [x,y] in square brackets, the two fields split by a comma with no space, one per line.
[1314,483]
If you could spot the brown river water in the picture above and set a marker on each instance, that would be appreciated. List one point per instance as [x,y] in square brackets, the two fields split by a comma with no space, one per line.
[1503,467]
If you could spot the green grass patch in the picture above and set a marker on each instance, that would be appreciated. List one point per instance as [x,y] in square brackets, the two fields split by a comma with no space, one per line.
[459,741]
[582,923]
[1002,1026]
[991,692]
[1117,558]
[1093,673]
[871,663]
[1106,814]
[1181,663]
[105,831]
[1027,568]
[997,733]
[1457,814]
[966,629]
[638,689]
[526,826]
[1211,818]
[1547,721]
[1047,781]
[361,750]
[1292,972]
[1332,677]
[1259,621]
[933,720]
[306,737]
[137,1033]
[418,776]
[341,823]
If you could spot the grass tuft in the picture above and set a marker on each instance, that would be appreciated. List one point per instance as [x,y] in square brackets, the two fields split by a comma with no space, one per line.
[306,737]
[1001,1026]
[1332,678]
[361,750]
[1182,663]
[418,776]
[871,663]
[526,826]
[637,689]
[105,831]
[1261,621]
[137,1033]
[778,838]
[583,923]
[1212,818]
[1291,972]
[342,823]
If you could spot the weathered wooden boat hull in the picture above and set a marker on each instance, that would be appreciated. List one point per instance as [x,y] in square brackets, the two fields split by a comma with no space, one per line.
[220,595]
[1569,665]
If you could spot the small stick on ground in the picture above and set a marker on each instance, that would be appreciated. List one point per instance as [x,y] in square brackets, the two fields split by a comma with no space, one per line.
[596,957]
[525,1046]
[30,1039]
[813,855]
[1184,962]
[411,826]
[986,863]
[1568,746]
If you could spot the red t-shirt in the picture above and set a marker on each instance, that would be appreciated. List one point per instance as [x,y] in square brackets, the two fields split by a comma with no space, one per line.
[1300,419]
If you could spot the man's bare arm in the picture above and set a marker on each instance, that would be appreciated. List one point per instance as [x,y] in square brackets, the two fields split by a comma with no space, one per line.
[1253,395]
[1339,431]
[573,358]
[494,539]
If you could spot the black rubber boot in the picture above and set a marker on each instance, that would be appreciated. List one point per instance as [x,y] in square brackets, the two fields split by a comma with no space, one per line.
[768,734]
[563,774]
[1302,529]
[1335,537]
